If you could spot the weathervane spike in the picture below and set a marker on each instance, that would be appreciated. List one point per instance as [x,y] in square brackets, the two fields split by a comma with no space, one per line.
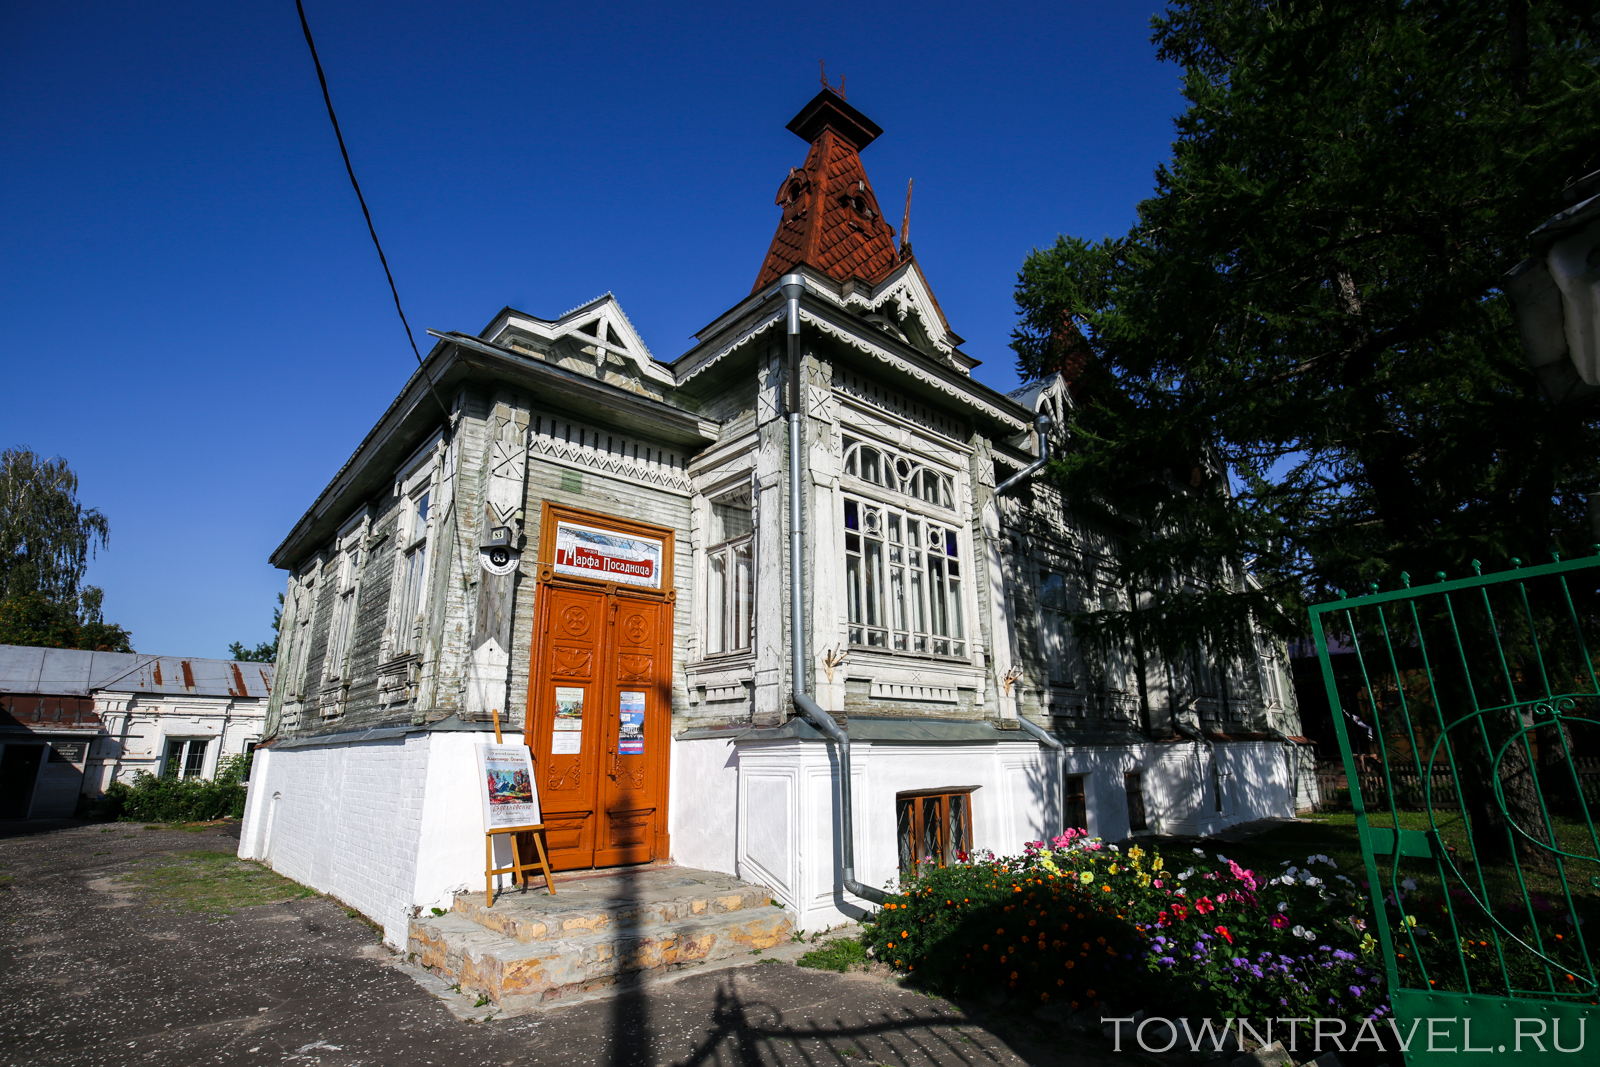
[905,223]
[822,67]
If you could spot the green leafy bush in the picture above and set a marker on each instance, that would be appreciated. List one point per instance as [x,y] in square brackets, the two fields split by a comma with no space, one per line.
[1010,925]
[1085,923]
[153,799]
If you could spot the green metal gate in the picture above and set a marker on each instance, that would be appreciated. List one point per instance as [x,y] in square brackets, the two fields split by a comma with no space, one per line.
[1478,703]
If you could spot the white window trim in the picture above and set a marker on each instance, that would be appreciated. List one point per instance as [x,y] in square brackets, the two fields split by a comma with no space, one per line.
[350,559]
[704,555]
[862,490]
[418,478]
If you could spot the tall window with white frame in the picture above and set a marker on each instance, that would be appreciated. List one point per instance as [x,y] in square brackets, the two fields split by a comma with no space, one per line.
[903,554]
[305,604]
[730,575]
[410,597]
[1057,646]
[343,609]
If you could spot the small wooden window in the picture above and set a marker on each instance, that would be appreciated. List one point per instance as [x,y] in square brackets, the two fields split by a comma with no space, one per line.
[1077,810]
[1134,786]
[933,828]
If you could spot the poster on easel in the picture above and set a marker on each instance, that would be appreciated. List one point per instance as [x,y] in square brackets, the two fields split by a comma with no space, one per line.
[505,777]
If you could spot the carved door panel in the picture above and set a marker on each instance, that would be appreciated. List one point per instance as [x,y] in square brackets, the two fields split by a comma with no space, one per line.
[633,775]
[600,690]
[565,721]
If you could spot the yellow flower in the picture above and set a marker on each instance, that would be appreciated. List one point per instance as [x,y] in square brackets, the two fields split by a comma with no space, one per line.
[1086,877]
[1135,853]
[1155,864]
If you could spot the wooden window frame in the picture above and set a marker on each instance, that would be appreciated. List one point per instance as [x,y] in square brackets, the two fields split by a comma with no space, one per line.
[1133,787]
[916,803]
[1075,803]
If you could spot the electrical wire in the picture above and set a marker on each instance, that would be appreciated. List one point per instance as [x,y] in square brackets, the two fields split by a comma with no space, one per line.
[350,170]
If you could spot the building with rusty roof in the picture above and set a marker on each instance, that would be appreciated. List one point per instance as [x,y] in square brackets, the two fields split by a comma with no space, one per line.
[697,589]
[72,722]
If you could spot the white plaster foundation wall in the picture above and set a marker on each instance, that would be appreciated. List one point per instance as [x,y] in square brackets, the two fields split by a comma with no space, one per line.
[384,826]
[704,804]
[788,825]
[1179,796]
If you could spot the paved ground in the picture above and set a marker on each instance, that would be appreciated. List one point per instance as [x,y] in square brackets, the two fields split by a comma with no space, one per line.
[94,970]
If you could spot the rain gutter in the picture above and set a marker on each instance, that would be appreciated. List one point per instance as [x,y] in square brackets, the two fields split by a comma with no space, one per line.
[791,286]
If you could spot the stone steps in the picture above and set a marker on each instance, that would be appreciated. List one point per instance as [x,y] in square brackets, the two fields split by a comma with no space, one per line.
[596,933]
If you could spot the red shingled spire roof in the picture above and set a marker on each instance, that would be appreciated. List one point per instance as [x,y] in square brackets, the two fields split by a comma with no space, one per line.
[831,220]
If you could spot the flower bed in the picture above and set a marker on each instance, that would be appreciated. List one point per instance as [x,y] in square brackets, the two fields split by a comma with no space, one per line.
[1083,923]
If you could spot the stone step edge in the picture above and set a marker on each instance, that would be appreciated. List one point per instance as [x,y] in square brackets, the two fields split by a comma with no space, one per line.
[475,946]
[526,927]
[460,935]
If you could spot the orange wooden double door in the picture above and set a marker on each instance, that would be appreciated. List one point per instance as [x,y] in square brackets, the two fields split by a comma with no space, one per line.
[599,710]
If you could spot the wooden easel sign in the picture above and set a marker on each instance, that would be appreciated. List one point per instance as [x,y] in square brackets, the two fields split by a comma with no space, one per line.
[505,775]
[510,807]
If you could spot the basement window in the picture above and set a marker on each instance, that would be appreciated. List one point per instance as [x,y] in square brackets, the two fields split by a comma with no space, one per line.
[1133,784]
[1077,809]
[933,828]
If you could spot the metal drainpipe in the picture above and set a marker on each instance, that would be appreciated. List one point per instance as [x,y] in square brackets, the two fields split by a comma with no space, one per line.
[1043,424]
[792,285]
[1046,737]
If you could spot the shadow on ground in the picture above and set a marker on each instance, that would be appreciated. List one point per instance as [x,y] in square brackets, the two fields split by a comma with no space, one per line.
[104,961]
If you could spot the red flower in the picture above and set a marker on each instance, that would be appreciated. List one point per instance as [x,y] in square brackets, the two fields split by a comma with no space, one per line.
[1223,930]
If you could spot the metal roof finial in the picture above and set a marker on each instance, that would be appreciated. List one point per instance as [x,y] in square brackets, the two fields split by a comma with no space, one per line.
[823,67]
[905,223]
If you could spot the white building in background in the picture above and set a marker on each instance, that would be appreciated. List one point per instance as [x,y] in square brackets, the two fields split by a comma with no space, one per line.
[598,544]
[72,722]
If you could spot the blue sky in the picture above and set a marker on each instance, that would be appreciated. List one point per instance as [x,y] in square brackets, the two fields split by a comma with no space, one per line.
[196,320]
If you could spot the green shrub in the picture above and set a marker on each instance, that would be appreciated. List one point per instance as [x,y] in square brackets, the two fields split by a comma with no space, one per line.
[152,799]
[1004,925]
[1086,924]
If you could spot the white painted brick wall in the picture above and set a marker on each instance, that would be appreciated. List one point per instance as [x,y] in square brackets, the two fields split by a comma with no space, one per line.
[344,820]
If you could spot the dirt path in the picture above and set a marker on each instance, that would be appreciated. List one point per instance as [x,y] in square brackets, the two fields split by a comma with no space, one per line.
[102,963]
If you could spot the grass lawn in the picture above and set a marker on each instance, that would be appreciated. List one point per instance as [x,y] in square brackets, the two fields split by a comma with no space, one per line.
[215,882]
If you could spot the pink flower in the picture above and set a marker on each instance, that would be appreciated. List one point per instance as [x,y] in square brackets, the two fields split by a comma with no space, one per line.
[1279,921]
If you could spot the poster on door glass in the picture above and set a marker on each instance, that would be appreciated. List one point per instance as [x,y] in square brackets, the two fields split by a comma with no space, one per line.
[505,777]
[566,737]
[590,553]
[630,728]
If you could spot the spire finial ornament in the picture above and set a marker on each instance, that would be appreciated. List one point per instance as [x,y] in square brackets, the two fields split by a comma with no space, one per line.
[823,66]
[905,223]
